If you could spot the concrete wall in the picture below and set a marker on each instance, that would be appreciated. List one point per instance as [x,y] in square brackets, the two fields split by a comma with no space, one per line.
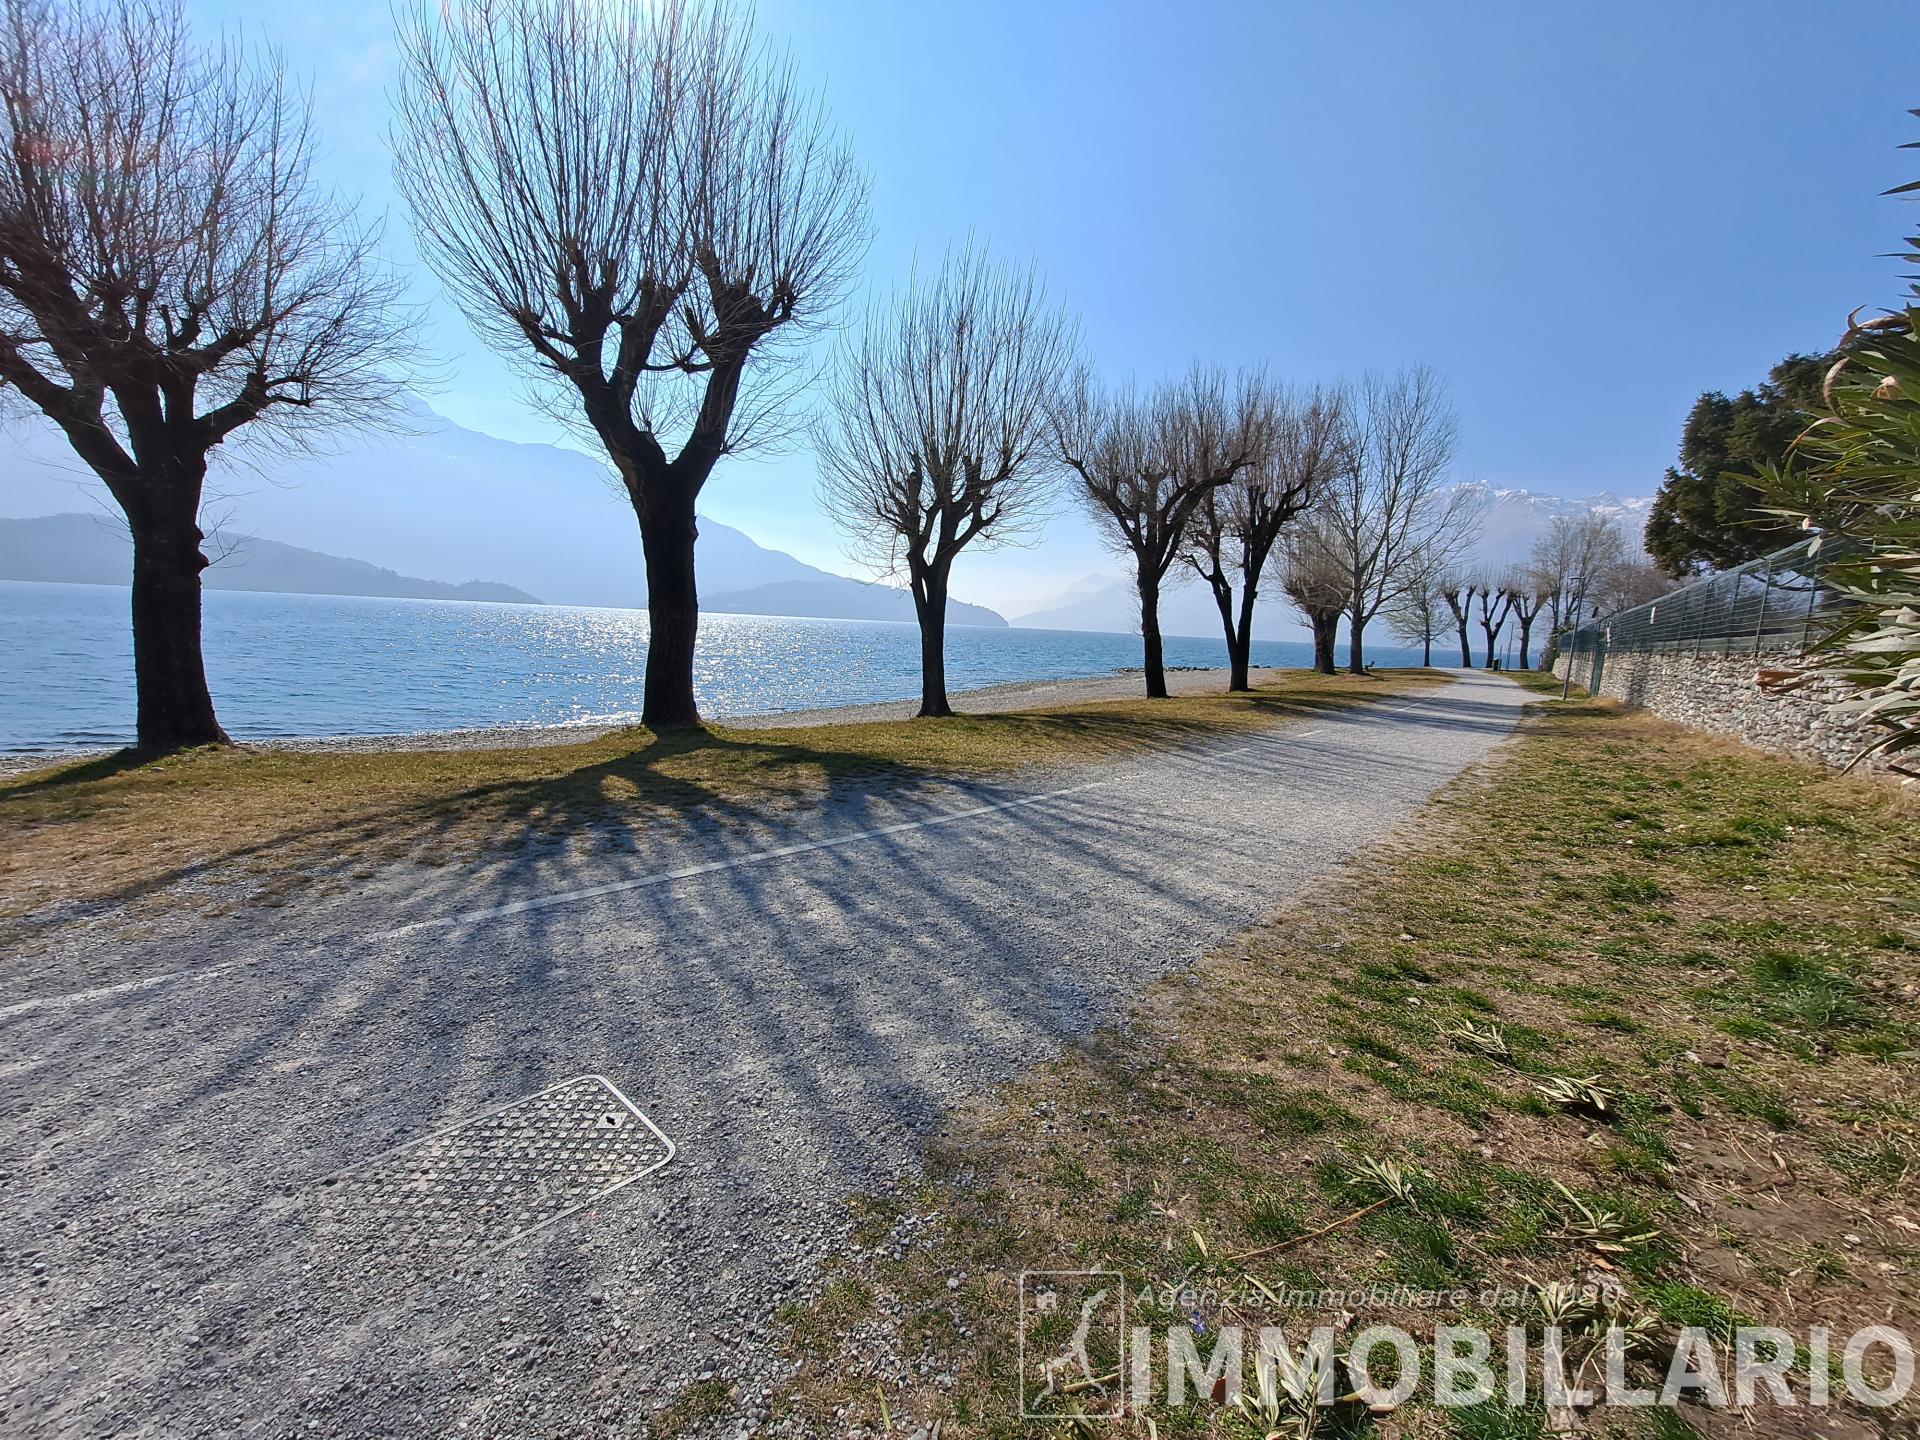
[1718,693]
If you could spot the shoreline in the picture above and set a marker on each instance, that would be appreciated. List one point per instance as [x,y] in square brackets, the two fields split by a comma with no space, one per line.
[985,700]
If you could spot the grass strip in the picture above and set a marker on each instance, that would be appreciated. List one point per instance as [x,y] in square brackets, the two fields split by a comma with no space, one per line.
[1627,1007]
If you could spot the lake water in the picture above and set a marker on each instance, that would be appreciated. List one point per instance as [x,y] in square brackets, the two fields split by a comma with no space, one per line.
[289,665]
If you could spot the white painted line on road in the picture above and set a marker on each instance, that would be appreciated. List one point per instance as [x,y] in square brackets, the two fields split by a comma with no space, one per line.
[688,872]
[124,987]
[539,902]
[759,857]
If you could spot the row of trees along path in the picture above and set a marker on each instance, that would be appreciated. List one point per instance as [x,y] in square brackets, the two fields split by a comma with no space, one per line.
[641,208]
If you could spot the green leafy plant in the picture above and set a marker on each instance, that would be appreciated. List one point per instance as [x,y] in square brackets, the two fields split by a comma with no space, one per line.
[1854,476]
[1286,1404]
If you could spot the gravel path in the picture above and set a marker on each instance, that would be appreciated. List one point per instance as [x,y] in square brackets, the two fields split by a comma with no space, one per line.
[794,999]
[996,699]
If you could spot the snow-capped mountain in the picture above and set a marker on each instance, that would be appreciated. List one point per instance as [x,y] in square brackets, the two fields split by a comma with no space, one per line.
[1515,519]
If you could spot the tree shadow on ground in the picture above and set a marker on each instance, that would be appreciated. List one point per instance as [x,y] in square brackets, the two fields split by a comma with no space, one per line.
[640,786]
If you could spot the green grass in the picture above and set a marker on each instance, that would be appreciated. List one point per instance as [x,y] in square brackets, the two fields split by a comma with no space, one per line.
[1743,1038]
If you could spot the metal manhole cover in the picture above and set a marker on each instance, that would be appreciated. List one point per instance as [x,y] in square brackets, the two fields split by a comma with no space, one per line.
[495,1179]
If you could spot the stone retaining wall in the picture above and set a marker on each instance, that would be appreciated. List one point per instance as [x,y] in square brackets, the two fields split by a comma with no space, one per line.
[1718,693]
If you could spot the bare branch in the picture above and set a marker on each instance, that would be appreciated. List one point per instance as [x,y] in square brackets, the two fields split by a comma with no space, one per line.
[638,204]
[635,202]
[171,278]
[939,434]
[1145,464]
[1391,509]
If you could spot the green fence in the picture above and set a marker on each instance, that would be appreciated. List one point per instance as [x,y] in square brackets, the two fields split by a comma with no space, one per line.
[1774,605]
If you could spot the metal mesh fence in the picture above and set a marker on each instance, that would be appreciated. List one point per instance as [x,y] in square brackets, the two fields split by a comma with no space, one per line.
[1772,605]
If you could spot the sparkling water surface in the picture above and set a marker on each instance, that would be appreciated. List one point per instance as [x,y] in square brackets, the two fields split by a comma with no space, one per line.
[294,665]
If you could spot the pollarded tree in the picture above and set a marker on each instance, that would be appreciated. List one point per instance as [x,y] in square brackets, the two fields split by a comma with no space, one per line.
[1524,600]
[1145,463]
[1457,593]
[1236,526]
[172,279]
[636,202]
[1493,601]
[939,431]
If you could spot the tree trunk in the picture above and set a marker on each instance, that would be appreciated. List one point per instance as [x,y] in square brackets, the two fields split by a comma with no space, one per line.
[1356,655]
[1490,634]
[1426,651]
[175,708]
[1240,644]
[1326,626]
[1526,634]
[930,607]
[673,608]
[1466,646]
[1153,661]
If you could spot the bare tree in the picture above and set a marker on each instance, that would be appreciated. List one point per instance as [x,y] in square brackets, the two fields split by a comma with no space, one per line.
[1392,504]
[1417,613]
[939,431]
[637,203]
[1524,600]
[1236,526]
[1570,562]
[1145,463]
[1631,582]
[1316,583]
[1492,601]
[171,277]
[1457,593]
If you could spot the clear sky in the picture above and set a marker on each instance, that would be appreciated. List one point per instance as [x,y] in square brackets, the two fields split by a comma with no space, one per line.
[1581,215]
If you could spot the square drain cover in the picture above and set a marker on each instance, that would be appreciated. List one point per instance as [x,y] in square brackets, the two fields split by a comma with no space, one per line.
[495,1179]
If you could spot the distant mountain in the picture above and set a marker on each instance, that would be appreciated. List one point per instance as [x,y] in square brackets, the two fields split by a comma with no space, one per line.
[837,598]
[1515,519]
[94,550]
[1112,604]
[443,501]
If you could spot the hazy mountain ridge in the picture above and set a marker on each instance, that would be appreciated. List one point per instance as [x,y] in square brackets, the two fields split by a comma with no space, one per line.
[440,500]
[838,598]
[97,550]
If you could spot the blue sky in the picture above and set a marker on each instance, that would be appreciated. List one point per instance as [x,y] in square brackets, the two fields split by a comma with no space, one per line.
[1582,216]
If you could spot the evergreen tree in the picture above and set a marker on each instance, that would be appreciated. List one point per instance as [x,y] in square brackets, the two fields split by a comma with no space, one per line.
[1707,514]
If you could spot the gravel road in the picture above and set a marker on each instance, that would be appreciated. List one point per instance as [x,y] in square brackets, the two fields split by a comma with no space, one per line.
[792,998]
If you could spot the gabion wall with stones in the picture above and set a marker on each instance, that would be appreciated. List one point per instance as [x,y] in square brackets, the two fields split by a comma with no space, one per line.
[1719,693]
